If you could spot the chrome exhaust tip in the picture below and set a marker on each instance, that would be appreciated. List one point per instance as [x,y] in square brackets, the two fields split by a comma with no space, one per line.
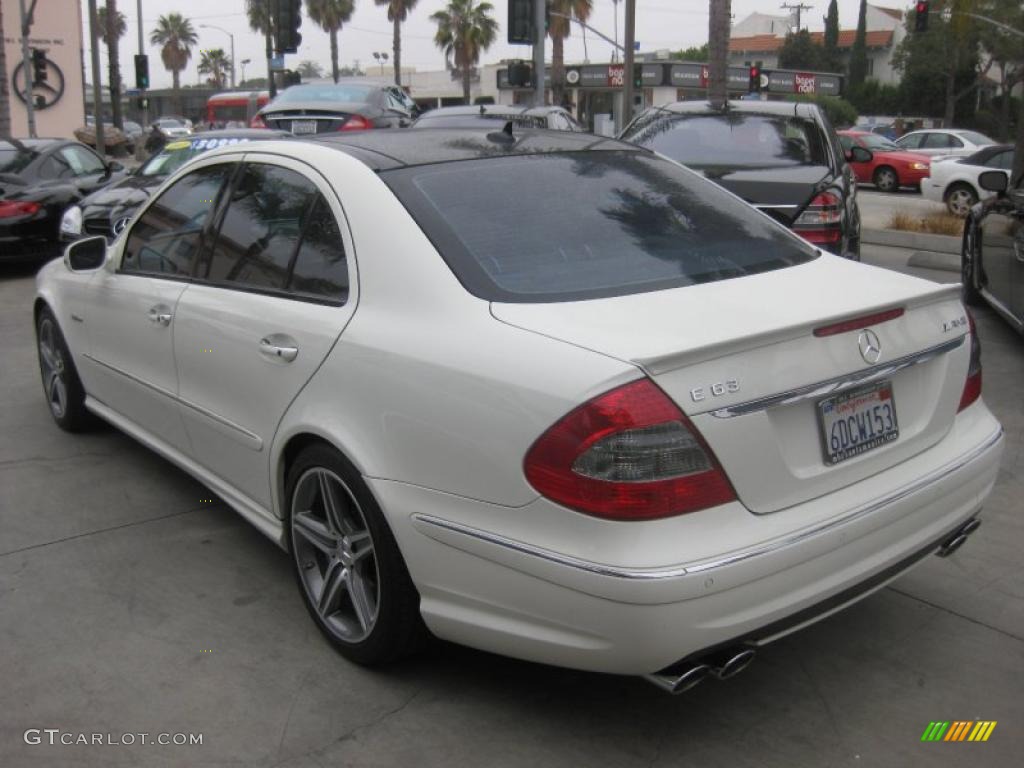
[954,542]
[731,664]
[678,683]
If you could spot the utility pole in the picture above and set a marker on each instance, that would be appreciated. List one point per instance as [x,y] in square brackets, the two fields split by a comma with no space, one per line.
[27,69]
[540,35]
[97,96]
[142,52]
[627,67]
[798,7]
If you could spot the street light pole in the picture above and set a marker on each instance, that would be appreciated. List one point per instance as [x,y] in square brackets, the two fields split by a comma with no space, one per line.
[539,38]
[221,29]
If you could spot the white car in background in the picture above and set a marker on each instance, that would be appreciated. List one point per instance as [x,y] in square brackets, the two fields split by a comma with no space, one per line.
[548,395]
[937,142]
[172,128]
[955,182]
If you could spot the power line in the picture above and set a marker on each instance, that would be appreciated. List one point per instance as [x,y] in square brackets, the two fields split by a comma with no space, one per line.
[798,7]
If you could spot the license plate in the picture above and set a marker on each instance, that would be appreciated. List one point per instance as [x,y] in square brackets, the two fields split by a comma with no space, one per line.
[303,126]
[856,422]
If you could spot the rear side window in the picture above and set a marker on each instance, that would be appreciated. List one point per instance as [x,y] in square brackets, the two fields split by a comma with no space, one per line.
[320,266]
[165,239]
[1003,160]
[733,139]
[582,225]
[912,141]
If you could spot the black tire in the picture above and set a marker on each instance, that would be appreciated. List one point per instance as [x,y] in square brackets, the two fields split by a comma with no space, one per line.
[969,257]
[61,386]
[886,179]
[397,630]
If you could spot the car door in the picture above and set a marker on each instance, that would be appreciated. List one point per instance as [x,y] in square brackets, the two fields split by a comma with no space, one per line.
[1002,253]
[130,318]
[268,302]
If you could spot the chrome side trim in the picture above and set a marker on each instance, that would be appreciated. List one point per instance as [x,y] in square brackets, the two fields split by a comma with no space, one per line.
[676,571]
[839,383]
[763,206]
[251,440]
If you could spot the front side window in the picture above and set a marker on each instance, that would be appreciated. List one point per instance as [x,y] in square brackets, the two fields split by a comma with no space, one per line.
[731,140]
[165,239]
[579,225]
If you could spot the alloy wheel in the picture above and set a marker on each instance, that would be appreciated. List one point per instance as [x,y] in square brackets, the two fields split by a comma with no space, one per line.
[885,180]
[335,554]
[51,360]
[960,201]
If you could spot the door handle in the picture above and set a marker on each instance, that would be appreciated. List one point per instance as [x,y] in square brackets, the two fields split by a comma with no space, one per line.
[270,349]
[159,317]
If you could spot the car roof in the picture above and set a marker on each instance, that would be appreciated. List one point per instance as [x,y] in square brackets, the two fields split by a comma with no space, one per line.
[385,150]
[479,109]
[785,108]
[37,144]
[242,133]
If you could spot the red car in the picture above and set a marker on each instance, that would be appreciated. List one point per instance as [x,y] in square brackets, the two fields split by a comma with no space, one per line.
[891,167]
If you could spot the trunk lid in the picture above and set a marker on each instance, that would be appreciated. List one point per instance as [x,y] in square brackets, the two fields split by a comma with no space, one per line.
[741,359]
[780,192]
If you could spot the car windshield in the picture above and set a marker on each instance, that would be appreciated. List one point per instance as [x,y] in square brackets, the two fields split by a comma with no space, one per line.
[14,160]
[877,143]
[974,137]
[730,140]
[177,153]
[600,223]
[329,92]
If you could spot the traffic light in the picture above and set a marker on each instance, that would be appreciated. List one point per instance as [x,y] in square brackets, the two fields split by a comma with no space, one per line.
[520,22]
[921,16]
[638,75]
[38,65]
[289,19]
[755,79]
[141,71]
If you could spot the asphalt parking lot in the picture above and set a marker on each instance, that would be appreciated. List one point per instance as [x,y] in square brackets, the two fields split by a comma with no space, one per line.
[133,601]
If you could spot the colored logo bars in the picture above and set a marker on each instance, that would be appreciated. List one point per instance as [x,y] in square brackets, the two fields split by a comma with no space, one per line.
[959,730]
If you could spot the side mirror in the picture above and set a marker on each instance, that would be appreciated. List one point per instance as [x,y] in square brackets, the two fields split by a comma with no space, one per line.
[859,154]
[83,255]
[993,181]
[114,166]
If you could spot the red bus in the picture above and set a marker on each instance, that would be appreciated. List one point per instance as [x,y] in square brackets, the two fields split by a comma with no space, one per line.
[234,109]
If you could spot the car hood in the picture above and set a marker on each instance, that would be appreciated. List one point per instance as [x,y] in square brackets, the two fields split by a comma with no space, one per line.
[132,190]
[784,187]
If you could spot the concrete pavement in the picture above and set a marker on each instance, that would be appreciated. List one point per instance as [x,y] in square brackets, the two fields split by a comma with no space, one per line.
[129,603]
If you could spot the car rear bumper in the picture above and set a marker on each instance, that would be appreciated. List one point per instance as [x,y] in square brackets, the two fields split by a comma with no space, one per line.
[518,595]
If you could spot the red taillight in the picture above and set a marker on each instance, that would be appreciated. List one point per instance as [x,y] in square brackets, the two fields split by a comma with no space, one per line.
[629,454]
[11,208]
[257,122]
[820,221]
[356,123]
[972,387]
[857,323]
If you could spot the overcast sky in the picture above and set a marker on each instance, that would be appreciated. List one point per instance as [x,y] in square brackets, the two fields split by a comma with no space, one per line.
[660,24]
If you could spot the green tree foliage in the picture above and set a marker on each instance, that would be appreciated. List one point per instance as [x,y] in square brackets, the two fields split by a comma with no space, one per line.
[310,70]
[694,53]
[840,112]
[215,63]
[558,30]
[859,52]
[330,16]
[465,29]
[398,11]
[176,36]
[799,51]
[874,98]
[831,60]
[1006,51]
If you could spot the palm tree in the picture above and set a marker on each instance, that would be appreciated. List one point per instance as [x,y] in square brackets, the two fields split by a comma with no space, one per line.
[310,70]
[112,25]
[559,29]
[176,36]
[330,15]
[5,94]
[398,10]
[216,64]
[465,29]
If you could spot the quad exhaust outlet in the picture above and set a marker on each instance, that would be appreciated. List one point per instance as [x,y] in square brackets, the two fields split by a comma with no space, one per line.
[723,665]
[958,537]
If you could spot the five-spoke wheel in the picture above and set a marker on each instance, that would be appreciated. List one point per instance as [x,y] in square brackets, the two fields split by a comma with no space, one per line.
[61,385]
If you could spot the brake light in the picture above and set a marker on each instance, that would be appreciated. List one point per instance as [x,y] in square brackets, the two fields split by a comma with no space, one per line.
[356,123]
[257,122]
[857,323]
[820,221]
[11,208]
[629,454]
[972,386]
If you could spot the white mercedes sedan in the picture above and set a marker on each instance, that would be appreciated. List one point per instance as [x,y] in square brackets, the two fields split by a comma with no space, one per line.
[544,394]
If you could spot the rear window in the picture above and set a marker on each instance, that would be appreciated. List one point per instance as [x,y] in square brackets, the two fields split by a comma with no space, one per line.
[338,93]
[480,121]
[15,160]
[731,140]
[582,225]
[976,138]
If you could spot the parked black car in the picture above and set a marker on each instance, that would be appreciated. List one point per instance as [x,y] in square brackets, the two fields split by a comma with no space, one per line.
[107,211]
[781,157]
[553,118]
[992,256]
[39,179]
[330,107]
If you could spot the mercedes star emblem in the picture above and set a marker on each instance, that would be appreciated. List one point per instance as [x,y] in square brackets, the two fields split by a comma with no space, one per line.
[870,346]
[120,224]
